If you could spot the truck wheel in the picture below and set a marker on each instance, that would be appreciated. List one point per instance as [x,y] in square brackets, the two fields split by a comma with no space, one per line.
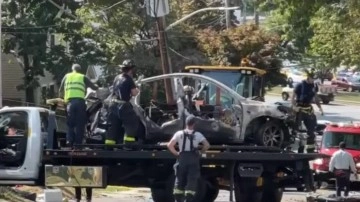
[325,100]
[169,196]
[270,134]
[272,192]
[246,190]
[285,96]
[212,190]
[158,194]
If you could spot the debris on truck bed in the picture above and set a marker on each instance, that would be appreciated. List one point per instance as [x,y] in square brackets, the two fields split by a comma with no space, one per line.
[315,197]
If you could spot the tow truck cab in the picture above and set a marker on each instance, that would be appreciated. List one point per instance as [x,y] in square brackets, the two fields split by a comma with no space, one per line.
[23,163]
[335,133]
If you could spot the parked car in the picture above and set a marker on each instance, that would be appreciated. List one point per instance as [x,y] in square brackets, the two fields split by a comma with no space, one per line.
[350,84]
[326,93]
[295,75]
[334,133]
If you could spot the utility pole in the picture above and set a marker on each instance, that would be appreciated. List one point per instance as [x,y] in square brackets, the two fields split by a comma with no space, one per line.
[227,14]
[165,60]
[256,12]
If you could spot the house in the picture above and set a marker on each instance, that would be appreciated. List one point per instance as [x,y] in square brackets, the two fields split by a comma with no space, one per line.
[12,76]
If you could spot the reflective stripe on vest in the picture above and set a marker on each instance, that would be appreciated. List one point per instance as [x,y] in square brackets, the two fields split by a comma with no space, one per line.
[74,86]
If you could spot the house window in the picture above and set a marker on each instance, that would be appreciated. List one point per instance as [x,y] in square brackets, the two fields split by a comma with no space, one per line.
[43,94]
[51,91]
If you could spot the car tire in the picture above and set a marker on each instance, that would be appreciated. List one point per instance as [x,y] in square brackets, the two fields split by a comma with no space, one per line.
[350,89]
[270,134]
[325,101]
[285,96]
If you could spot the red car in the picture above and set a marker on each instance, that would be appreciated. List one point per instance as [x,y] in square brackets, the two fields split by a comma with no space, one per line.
[334,133]
[350,84]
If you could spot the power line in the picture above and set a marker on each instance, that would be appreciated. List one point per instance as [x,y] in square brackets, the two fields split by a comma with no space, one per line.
[30,27]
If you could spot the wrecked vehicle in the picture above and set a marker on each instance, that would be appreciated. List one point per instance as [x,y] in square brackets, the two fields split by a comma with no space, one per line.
[224,116]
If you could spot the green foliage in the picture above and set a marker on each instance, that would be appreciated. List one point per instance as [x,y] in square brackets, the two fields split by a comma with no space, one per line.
[229,47]
[336,34]
[291,19]
[26,27]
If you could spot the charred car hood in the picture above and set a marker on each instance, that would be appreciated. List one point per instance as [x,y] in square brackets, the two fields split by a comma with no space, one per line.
[257,108]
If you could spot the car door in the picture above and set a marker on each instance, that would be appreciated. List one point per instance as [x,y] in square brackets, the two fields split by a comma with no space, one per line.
[20,153]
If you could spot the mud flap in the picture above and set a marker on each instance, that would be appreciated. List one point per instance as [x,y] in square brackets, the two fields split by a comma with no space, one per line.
[75,176]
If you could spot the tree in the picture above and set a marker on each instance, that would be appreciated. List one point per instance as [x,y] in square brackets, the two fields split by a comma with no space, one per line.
[336,34]
[26,26]
[229,47]
[291,20]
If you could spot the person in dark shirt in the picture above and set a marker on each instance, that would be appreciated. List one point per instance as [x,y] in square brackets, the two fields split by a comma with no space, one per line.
[121,113]
[304,94]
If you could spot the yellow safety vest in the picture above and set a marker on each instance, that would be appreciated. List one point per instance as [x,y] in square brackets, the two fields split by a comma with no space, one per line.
[74,86]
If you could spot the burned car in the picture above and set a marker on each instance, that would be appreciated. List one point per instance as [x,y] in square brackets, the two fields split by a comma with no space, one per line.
[224,116]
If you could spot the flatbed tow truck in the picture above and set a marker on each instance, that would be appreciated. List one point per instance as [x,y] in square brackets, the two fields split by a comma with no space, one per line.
[250,173]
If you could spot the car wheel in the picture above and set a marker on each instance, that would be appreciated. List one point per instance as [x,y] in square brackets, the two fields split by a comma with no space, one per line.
[350,89]
[285,96]
[270,134]
[325,101]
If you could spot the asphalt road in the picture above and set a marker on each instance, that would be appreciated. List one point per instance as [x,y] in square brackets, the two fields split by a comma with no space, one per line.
[333,112]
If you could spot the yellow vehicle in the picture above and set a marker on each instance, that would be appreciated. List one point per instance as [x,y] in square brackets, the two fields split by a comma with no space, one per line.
[247,81]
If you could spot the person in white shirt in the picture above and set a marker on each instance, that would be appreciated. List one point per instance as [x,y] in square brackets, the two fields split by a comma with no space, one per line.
[187,166]
[341,164]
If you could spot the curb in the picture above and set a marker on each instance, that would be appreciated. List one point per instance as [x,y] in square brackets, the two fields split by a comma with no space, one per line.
[339,101]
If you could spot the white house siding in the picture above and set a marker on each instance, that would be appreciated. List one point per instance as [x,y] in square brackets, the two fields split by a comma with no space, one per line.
[12,76]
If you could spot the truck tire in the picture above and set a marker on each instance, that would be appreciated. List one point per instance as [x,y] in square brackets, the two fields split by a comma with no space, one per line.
[158,194]
[168,196]
[271,191]
[246,190]
[212,190]
[285,96]
[270,134]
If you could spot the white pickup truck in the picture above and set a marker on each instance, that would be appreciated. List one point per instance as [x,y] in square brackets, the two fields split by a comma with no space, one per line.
[326,92]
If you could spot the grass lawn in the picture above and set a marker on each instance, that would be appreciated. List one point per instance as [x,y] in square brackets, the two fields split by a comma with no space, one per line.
[340,96]
[112,189]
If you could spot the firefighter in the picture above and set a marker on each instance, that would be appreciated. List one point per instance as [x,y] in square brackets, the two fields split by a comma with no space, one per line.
[187,166]
[122,116]
[75,85]
[304,94]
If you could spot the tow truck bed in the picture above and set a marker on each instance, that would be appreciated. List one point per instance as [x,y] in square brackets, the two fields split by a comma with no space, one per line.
[215,153]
